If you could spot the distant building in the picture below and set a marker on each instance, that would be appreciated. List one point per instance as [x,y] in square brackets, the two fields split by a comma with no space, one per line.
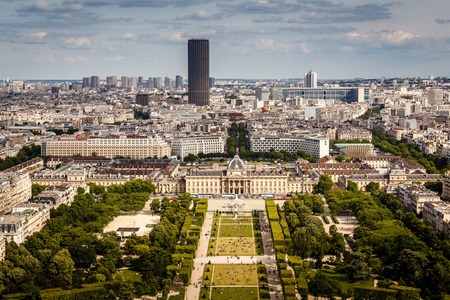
[311,79]
[125,82]
[184,146]
[435,97]
[262,94]
[95,81]
[111,81]
[86,82]
[108,146]
[142,99]
[179,81]
[198,71]
[317,145]
[344,94]
[212,82]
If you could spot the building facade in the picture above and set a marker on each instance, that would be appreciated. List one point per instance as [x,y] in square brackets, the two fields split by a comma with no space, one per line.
[311,79]
[344,94]
[182,146]
[317,145]
[110,147]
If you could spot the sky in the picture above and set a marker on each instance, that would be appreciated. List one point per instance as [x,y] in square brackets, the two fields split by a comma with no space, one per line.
[71,39]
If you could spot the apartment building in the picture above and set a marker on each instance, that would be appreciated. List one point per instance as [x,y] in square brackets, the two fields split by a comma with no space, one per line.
[24,220]
[15,188]
[415,196]
[437,215]
[317,145]
[183,146]
[353,134]
[111,146]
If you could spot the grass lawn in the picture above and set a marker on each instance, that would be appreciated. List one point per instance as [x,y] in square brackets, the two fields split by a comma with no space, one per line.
[236,231]
[239,275]
[235,246]
[343,280]
[130,275]
[229,293]
[236,221]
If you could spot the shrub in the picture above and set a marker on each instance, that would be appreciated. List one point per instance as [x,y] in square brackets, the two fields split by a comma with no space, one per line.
[325,219]
[335,219]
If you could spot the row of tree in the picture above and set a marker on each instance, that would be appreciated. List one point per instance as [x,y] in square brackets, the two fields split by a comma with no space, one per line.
[26,153]
[432,162]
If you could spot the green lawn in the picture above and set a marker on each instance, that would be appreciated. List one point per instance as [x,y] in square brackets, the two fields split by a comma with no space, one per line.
[235,246]
[343,280]
[240,275]
[230,293]
[236,221]
[235,231]
[131,275]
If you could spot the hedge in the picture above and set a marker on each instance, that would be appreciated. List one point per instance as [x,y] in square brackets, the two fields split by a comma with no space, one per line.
[281,258]
[185,274]
[325,218]
[302,287]
[295,260]
[92,292]
[335,219]
[277,233]
[272,214]
[264,293]
[365,293]
[282,266]
[406,292]
[185,249]
[289,291]
[288,281]
[286,274]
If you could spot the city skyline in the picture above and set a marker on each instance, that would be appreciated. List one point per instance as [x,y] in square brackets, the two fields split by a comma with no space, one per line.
[249,39]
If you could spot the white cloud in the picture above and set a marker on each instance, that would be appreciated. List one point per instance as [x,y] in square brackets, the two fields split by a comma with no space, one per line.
[78,43]
[39,35]
[46,59]
[75,59]
[383,38]
[271,45]
[128,36]
[115,58]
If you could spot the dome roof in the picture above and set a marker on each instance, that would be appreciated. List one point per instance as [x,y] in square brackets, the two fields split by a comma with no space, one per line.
[236,163]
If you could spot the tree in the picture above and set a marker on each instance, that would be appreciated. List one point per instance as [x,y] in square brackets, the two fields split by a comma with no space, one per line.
[302,242]
[340,158]
[190,158]
[373,187]
[61,265]
[36,189]
[355,266]
[155,205]
[325,184]
[352,186]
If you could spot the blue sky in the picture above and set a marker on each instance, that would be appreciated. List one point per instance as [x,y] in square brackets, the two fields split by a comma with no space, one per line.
[70,39]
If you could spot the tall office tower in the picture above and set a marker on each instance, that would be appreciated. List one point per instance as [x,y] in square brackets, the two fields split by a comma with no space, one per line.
[435,97]
[111,80]
[150,83]
[140,80]
[311,79]
[157,81]
[95,81]
[124,82]
[212,82]
[167,81]
[198,71]
[133,81]
[179,81]
[86,82]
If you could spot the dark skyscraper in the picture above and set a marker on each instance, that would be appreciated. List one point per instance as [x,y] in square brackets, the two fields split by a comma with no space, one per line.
[198,71]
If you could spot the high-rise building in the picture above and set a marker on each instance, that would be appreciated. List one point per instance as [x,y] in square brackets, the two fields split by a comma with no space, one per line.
[157,81]
[111,80]
[311,79]
[212,82]
[95,81]
[133,81]
[150,83]
[198,71]
[125,82]
[179,81]
[86,82]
